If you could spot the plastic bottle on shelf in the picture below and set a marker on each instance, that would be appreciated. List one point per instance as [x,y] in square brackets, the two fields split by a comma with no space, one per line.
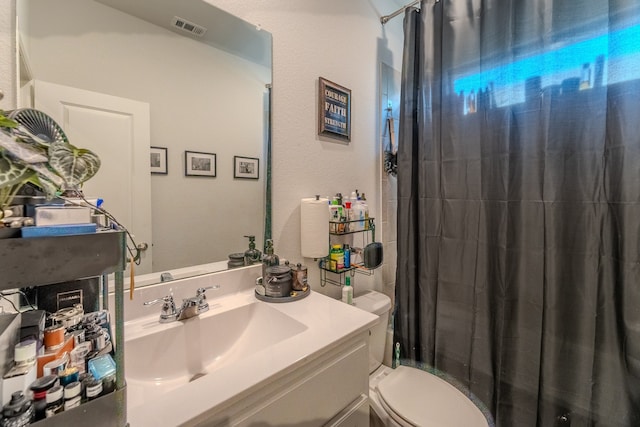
[357,215]
[334,216]
[365,214]
[354,197]
[347,256]
[347,291]
[336,258]
[348,213]
[342,225]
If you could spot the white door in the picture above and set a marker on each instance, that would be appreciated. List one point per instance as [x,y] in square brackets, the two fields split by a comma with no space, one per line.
[118,130]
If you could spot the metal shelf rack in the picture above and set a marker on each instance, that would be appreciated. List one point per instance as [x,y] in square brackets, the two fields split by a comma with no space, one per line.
[347,228]
[47,260]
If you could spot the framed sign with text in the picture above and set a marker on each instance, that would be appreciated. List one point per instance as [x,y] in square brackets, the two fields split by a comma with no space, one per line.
[334,108]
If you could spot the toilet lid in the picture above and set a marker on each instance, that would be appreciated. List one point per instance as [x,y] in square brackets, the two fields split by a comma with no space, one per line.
[423,399]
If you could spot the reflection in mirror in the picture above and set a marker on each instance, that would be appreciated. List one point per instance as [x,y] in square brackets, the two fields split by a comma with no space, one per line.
[121,76]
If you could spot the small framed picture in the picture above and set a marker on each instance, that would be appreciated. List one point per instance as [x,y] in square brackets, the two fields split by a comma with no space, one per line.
[199,164]
[158,160]
[334,110]
[246,167]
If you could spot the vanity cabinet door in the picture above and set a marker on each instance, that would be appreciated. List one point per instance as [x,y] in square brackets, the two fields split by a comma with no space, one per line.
[326,391]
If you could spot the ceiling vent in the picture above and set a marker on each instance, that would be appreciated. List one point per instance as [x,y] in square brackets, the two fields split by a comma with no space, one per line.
[187,26]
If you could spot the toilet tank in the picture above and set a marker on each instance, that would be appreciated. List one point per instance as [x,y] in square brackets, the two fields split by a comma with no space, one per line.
[380,305]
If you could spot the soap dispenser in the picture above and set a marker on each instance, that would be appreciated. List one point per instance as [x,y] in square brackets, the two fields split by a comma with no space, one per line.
[269,258]
[252,255]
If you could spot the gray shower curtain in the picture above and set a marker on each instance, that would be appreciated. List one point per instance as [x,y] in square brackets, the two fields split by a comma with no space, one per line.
[519,206]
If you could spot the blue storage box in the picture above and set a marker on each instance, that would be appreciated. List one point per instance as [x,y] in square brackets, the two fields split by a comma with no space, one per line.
[58,230]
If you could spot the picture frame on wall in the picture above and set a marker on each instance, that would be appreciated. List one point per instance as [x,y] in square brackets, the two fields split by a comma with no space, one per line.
[199,164]
[334,110]
[158,160]
[246,167]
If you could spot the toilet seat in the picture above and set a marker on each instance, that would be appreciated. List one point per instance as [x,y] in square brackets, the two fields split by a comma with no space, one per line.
[412,397]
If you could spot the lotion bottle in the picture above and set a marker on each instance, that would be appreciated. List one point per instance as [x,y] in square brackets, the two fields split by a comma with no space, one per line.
[347,291]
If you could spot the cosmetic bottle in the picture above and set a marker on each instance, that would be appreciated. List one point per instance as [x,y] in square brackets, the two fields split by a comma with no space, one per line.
[347,291]
[39,389]
[55,401]
[348,214]
[252,255]
[355,196]
[347,256]
[336,258]
[365,208]
[72,395]
[357,215]
[19,412]
[335,212]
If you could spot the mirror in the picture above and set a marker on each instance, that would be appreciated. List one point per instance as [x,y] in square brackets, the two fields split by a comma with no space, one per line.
[204,76]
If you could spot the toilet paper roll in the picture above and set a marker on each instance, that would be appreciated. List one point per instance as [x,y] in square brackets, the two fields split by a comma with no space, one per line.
[314,227]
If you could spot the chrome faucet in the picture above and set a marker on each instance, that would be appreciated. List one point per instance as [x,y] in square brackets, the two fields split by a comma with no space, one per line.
[191,307]
[169,312]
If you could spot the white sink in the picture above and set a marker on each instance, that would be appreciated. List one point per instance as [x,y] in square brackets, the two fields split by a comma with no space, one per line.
[160,358]
[211,367]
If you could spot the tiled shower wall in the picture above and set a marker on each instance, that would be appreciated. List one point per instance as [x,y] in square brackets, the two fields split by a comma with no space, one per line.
[389,108]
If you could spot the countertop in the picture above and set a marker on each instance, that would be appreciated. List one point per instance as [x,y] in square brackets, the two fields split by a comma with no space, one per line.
[328,322]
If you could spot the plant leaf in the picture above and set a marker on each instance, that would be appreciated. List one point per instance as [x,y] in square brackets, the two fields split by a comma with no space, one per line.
[25,135]
[25,153]
[50,189]
[74,165]
[6,122]
[45,173]
[12,173]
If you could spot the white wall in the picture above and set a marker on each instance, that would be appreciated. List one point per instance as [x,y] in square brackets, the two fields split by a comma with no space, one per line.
[8,66]
[344,42]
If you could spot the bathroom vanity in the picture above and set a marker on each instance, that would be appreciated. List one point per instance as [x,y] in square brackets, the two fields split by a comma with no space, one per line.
[244,361]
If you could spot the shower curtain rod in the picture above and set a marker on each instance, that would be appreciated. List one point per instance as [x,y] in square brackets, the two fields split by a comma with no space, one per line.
[385,19]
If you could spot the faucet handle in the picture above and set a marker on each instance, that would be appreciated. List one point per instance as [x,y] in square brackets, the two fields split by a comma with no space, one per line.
[169,312]
[201,297]
[200,292]
[166,299]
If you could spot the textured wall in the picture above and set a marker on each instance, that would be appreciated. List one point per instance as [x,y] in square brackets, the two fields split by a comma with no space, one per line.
[7,53]
[344,42]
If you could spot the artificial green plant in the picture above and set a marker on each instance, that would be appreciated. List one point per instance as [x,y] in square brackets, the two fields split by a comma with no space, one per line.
[54,167]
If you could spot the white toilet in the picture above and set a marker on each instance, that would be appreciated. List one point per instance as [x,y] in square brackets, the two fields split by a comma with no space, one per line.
[408,396]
